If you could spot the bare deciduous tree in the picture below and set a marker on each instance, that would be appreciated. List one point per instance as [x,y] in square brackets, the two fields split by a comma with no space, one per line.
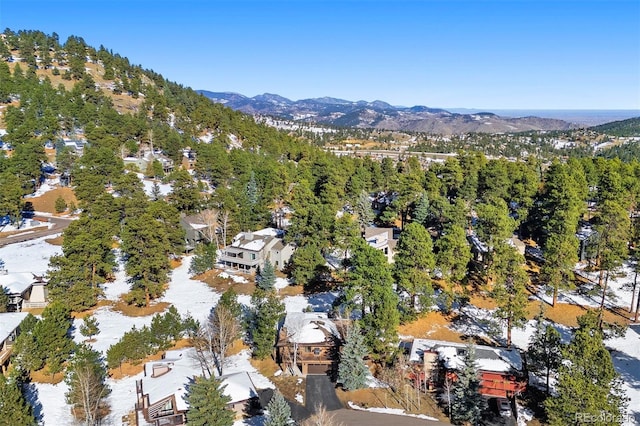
[210,218]
[87,388]
[214,339]
[321,418]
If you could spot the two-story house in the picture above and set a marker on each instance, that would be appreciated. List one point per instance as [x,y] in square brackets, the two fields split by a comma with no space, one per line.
[308,343]
[250,250]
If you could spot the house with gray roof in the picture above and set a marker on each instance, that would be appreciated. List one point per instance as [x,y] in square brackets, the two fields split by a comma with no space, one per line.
[250,250]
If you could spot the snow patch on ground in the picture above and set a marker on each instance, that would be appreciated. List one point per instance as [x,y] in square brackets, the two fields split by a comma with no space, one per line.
[300,398]
[281,283]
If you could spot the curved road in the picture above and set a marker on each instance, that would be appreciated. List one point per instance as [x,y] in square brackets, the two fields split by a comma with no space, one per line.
[59,225]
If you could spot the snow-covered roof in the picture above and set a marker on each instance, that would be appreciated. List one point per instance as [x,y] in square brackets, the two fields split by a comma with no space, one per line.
[488,358]
[9,321]
[17,282]
[182,366]
[309,327]
[256,240]
[238,386]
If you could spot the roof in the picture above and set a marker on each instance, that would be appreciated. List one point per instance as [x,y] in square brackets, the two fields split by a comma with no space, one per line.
[488,358]
[256,240]
[309,327]
[183,367]
[17,282]
[238,386]
[9,321]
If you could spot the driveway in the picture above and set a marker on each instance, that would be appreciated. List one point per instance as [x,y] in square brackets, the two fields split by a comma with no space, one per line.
[320,389]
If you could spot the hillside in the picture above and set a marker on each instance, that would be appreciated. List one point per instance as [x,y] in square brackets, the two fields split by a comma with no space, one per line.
[381,115]
[622,128]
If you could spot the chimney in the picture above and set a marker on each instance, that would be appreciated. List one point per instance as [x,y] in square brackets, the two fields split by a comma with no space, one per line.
[248,236]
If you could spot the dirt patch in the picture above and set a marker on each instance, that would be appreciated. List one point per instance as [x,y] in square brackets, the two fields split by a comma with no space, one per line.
[143,311]
[291,290]
[221,284]
[57,241]
[386,398]
[43,376]
[46,202]
[567,314]
[237,347]
[433,325]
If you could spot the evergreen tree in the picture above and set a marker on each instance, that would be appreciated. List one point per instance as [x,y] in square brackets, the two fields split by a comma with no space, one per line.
[413,262]
[588,384]
[453,253]
[4,299]
[352,371]
[267,312]
[266,279]
[89,327]
[229,300]
[279,411]
[204,259]
[305,263]
[86,378]
[364,212]
[509,290]
[207,403]
[544,353]
[51,335]
[467,404]
[421,212]
[14,409]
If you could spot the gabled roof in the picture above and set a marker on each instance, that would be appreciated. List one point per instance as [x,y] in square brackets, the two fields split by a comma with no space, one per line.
[309,327]
[174,382]
[488,358]
[238,386]
[256,240]
[17,282]
[9,321]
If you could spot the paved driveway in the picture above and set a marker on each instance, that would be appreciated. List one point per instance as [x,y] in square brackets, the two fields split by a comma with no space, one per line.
[320,389]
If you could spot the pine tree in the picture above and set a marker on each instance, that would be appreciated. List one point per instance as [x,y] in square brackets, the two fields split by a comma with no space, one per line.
[468,404]
[4,299]
[421,212]
[267,312]
[352,371]
[544,353]
[88,390]
[279,411]
[414,261]
[588,384]
[14,409]
[509,290]
[207,403]
[266,279]
[89,327]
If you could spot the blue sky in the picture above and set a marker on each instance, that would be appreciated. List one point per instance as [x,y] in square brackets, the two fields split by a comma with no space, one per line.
[516,54]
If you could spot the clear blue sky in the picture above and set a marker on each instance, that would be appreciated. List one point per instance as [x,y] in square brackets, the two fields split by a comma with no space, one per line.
[572,54]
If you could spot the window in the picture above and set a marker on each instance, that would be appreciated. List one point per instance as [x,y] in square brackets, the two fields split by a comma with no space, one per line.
[253,256]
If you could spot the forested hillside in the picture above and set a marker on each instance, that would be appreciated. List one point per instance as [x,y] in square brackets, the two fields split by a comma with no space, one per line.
[623,128]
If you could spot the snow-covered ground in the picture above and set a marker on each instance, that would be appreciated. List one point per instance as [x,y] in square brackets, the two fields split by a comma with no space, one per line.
[195,298]
[190,297]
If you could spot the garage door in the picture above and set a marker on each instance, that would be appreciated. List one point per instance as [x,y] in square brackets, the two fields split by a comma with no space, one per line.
[318,368]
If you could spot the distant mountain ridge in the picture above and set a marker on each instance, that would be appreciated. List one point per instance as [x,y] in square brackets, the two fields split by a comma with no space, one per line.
[381,115]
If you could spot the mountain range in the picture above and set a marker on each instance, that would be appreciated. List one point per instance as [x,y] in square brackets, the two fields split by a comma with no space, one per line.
[381,115]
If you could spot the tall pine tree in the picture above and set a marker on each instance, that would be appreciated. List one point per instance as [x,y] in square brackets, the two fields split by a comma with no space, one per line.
[588,384]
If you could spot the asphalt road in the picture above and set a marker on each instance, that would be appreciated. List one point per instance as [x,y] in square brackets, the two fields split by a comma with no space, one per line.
[357,417]
[59,225]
